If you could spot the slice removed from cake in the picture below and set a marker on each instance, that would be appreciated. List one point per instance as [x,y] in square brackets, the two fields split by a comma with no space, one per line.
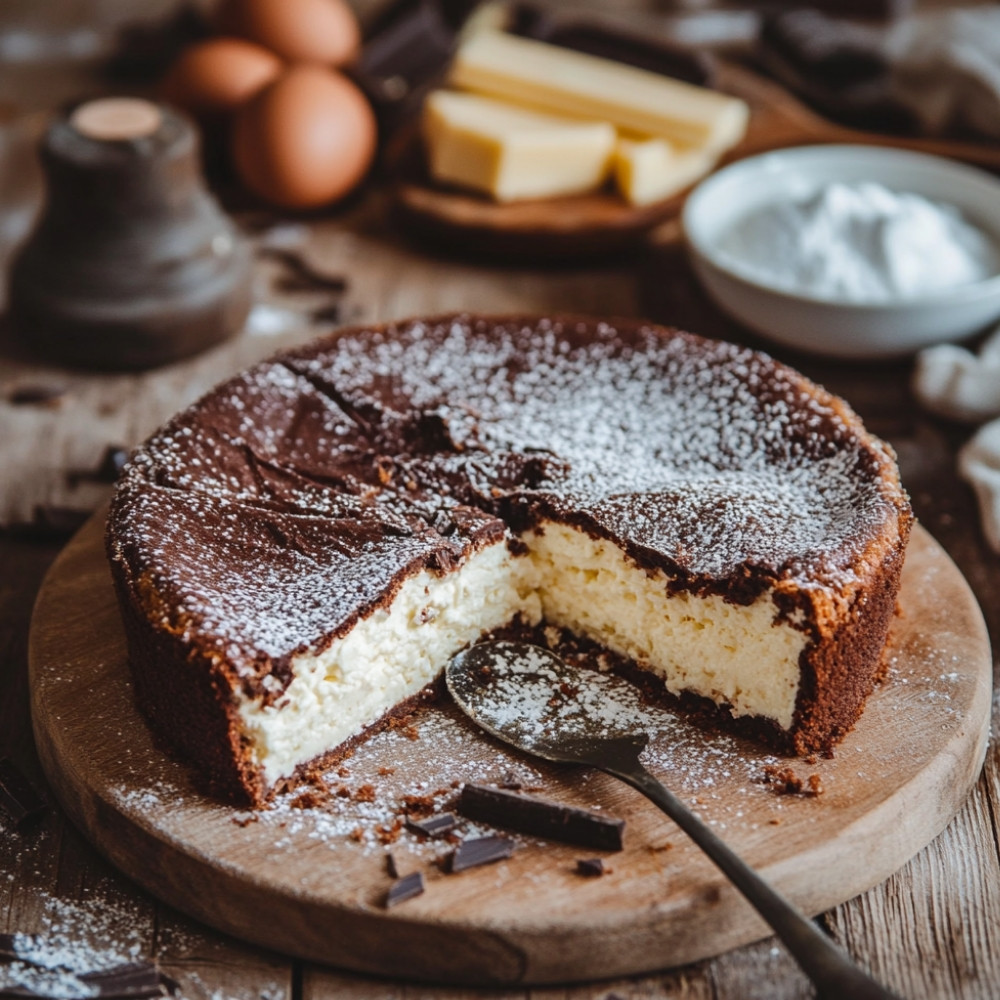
[299,553]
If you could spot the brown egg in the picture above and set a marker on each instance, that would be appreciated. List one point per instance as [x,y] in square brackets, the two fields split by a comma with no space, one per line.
[305,140]
[217,76]
[320,31]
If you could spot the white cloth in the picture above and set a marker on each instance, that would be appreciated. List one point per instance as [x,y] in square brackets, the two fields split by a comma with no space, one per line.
[960,385]
[945,68]
[979,465]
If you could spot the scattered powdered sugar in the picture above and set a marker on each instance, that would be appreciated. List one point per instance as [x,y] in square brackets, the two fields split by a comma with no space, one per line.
[71,940]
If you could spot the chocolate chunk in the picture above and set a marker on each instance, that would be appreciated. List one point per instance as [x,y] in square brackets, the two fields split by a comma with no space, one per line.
[406,51]
[433,826]
[540,818]
[481,851]
[135,980]
[405,888]
[17,798]
[390,866]
[39,394]
[591,867]
[331,313]
[302,276]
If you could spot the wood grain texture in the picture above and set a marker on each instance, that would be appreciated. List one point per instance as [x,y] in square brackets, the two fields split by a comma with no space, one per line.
[660,908]
[954,875]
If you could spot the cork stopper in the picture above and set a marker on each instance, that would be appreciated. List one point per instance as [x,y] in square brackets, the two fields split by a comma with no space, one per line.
[114,119]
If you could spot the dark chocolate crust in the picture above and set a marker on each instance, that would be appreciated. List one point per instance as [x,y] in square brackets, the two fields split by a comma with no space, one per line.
[294,500]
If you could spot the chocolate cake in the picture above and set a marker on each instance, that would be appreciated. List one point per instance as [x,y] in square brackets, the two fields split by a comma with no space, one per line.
[299,553]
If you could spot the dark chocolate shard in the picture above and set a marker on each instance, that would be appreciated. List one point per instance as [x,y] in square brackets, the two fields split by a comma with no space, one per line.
[433,826]
[598,38]
[18,799]
[405,888]
[331,313]
[7,945]
[302,276]
[590,867]
[37,394]
[128,982]
[390,866]
[406,51]
[134,981]
[540,818]
[481,851]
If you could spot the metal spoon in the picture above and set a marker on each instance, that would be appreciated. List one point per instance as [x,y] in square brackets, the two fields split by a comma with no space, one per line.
[530,698]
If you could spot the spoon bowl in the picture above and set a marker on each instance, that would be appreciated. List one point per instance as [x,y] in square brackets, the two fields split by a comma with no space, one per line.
[532,699]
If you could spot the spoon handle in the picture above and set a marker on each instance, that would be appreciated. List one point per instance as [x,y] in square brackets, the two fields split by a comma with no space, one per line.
[828,966]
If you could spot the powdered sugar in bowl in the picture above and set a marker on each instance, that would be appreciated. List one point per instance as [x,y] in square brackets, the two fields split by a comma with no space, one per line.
[850,251]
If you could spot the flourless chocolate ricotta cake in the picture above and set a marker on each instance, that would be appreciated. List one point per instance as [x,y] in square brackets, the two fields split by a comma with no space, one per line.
[298,554]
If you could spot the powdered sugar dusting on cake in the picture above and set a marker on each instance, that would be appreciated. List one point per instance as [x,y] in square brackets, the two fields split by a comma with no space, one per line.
[287,501]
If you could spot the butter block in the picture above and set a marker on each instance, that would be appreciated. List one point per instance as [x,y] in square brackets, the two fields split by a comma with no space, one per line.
[653,169]
[511,153]
[559,81]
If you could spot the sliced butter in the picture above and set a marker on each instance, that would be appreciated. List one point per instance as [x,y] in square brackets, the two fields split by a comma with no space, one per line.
[511,153]
[560,81]
[653,169]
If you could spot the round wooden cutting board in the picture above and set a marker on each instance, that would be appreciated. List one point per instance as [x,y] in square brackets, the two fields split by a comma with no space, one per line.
[309,877]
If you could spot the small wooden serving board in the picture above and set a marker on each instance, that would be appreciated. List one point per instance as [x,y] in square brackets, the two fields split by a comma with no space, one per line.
[601,224]
[311,879]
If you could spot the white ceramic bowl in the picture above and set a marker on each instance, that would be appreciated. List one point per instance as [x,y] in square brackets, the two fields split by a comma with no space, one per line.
[828,326]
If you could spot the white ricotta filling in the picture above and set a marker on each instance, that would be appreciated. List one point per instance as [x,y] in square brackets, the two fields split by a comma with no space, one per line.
[392,654]
[735,655]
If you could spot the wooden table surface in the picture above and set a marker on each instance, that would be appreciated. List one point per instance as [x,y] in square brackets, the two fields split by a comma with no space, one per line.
[930,931]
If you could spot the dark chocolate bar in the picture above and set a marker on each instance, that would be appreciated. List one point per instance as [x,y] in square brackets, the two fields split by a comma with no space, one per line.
[409,46]
[405,888]
[590,867]
[540,818]
[17,797]
[598,38]
[481,851]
